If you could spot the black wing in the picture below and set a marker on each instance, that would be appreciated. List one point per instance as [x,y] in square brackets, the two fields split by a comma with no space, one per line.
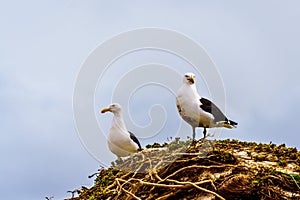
[132,136]
[210,107]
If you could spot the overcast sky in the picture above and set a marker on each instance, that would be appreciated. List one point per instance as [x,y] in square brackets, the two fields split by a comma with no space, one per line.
[254,45]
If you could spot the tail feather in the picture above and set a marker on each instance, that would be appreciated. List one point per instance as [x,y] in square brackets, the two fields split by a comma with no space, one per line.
[233,123]
[227,124]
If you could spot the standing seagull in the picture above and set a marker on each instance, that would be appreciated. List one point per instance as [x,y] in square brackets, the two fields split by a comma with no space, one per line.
[120,141]
[198,111]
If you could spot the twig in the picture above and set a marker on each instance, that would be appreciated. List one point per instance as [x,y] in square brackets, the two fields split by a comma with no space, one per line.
[155,172]
[122,177]
[180,185]
[156,175]
[154,184]
[142,163]
[189,154]
[98,172]
[92,175]
[188,182]
[119,187]
[158,163]
[131,194]
[165,196]
[201,188]
[73,193]
[124,190]
[295,181]
[114,183]
[194,166]
[110,186]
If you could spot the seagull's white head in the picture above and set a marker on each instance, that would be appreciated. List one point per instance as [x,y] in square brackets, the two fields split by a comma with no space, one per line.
[189,78]
[114,108]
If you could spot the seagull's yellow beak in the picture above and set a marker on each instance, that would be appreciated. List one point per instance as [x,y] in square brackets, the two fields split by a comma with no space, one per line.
[191,79]
[104,110]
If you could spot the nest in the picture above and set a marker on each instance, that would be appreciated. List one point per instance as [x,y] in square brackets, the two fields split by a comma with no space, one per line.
[226,169]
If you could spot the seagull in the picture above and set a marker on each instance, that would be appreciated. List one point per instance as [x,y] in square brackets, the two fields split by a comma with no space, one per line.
[198,111]
[120,141]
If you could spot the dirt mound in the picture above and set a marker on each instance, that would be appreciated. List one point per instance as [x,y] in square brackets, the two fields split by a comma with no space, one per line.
[227,169]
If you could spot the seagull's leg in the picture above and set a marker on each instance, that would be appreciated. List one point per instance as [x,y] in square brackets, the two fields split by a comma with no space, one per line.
[204,133]
[194,133]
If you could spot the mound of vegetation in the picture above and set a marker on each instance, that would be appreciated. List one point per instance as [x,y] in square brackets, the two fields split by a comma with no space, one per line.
[227,169]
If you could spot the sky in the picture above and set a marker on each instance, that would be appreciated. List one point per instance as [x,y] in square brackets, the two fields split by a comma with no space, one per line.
[44,44]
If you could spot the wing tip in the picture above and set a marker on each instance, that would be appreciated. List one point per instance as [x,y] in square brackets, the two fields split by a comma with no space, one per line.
[233,123]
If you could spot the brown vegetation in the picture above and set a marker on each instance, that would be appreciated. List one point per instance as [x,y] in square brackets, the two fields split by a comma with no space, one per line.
[227,169]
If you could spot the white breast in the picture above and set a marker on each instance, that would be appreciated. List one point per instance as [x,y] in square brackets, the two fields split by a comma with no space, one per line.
[120,143]
[188,105]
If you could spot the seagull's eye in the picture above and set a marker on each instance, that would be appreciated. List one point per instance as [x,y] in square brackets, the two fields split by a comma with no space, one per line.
[186,76]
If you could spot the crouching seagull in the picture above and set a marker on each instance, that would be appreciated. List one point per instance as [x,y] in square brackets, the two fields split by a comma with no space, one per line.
[199,111]
[120,141]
